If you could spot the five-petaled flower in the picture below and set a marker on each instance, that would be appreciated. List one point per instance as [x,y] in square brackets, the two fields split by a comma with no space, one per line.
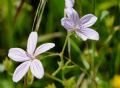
[29,58]
[72,23]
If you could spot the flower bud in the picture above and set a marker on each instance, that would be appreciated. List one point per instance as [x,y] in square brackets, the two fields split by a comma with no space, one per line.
[30,78]
[69,3]
[8,65]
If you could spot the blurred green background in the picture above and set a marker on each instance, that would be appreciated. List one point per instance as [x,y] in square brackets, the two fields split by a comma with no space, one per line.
[16,20]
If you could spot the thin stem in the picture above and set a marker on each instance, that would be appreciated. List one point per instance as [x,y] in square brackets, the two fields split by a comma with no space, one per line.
[65,43]
[61,57]
[55,73]
[93,74]
[55,78]
[118,2]
[69,48]
[50,55]
[93,67]
[40,17]
[83,70]
[18,10]
[80,80]
[38,9]
[25,81]
[62,66]
[94,6]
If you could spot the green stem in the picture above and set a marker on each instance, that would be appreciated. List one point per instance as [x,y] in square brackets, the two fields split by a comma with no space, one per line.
[55,78]
[93,67]
[93,49]
[82,69]
[55,73]
[69,48]
[25,81]
[65,43]
[61,57]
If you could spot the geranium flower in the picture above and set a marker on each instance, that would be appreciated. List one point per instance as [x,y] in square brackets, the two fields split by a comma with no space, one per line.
[72,23]
[69,3]
[29,58]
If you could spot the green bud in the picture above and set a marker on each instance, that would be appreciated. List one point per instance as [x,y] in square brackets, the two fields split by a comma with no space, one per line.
[51,86]
[30,78]
[8,65]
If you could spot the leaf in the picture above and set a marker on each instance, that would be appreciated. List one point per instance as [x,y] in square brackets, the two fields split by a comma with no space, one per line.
[70,83]
[51,86]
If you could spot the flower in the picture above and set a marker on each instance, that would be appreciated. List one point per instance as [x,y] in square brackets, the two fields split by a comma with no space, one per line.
[116,81]
[29,58]
[69,3]
[72,23]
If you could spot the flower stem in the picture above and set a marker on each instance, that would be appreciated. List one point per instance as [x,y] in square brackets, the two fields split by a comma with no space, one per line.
[61,57]
[53,77]
[93,67]
[93,70]
[65,43]
[69,48]
[61,54]
[25,81]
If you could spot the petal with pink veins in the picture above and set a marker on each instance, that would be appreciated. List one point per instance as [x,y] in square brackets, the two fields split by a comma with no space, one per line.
[67,23]
[72,14]
[88,33]
[20,71]
[88,20]
[32,41]
[18,54]
[43,48]
[37,69]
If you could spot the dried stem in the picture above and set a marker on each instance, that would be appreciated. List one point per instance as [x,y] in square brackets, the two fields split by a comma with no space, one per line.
[18,10]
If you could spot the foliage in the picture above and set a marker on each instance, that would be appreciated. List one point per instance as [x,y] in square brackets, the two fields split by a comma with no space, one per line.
[16,20]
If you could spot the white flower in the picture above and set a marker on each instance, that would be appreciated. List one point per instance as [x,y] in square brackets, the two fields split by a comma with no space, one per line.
[29,58]
[80,26]
[69,3]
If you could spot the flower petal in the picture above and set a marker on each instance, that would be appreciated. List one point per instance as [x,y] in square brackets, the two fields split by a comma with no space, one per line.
[72,14]
[69,3]
[43,48]
[37,69]
[88,33]
[82,36]
[32,41]
[67,24]
[88,20]
[18,55]
[20,71]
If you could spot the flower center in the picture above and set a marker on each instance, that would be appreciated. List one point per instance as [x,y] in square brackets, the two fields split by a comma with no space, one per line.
[30,56]
[79,27]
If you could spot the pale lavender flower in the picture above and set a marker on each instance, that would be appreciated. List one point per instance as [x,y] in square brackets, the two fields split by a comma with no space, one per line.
[72,23]
[69,3]
[29,58]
